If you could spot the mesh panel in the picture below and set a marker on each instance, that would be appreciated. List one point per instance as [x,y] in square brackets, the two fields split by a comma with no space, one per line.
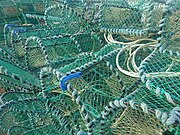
[129,122]
[77,67]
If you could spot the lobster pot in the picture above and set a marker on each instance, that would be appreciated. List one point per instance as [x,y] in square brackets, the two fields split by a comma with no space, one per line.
[70,110]
[57,48]
[88,42]
[9,13]
[7,83]
[32,7]
[86,8]
[7,96]
[16,36]
[14,12]
[39,51]
[161,73]
[17,116]
[6,56]
[135,122]
[150,102]
[50,77]
[142,95]
[36,7]
[169,33]
[142,106]
[97,85]
[90,11]
[14,76]
[89,67]
[65,16]
[124,15]
[132,17]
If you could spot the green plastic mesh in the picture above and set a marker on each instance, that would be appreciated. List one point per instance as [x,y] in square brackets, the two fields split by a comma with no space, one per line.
[163,75]
[78,67]
[170,28]
[129,122]
[123,13]
[14,12]
[132,17]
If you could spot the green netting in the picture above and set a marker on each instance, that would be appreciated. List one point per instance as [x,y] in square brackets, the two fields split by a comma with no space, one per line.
[169,33]
[131,17]
[14,12]
[17,73]
[77,67]
[162,75]
[128,122]
[28,112]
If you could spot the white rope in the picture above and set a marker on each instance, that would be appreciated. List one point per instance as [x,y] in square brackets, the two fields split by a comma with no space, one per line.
[164,117]
[121,102]
[132,104]
[158,113]
[131,73]
[158,91]
[144,107]
[168,96]
[174,116]
[116,103]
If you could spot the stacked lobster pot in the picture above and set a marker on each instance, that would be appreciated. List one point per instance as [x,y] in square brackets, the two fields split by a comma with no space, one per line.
[99,67]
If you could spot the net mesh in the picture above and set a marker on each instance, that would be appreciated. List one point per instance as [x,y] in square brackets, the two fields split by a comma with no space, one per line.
[128,122]
[77,67]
